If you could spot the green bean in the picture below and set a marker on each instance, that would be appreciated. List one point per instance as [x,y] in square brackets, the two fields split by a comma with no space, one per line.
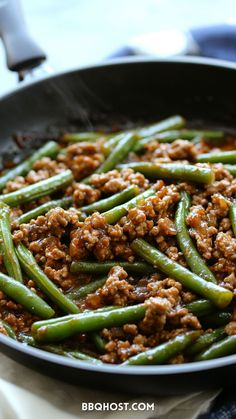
[220,296]
[10,332]
[56,320]
[219,157]
[232,214]
[76,137]
[164,351]
[10,260]
[39,189]
[205,341]
[193,258]
[197,139]
[216,319]
[49,149]
[224,347]
[59,350]
[114,214]
[34,272]
[172,122]
[43,209]
[112,201]
[105,267]
[83,357]
[117,155]
[187,134]
[86,322]
[112,142]
[81,292]
[99,342]
[186,172]
[24,296]
[200,307]
[231,168]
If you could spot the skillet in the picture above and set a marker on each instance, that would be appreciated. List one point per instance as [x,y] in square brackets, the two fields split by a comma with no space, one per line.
[137,90]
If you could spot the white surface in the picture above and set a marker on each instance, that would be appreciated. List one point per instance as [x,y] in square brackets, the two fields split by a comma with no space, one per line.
[77,32]
[26,394]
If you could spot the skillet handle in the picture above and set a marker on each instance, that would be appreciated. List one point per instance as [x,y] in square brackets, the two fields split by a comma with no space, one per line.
[21,51]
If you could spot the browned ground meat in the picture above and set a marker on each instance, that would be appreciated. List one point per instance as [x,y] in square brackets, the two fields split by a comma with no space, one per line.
[82,194]
[115,181]
[44,236]
[115,291]
[82,158]
[178,150]
[42,169]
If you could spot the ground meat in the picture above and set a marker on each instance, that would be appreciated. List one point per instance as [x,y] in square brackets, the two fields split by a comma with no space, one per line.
[201,231]
[45,238]
[41,170]
[82,194]
[82,158]
[13,314]
[230,328]
[156,313]
[115,181]
[115,291]
[178,150]
[102,240]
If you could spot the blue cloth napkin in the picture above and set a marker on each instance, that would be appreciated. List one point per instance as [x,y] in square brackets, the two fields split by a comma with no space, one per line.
[218,41]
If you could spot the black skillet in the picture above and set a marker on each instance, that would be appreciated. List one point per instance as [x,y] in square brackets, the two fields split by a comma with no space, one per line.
[204,91]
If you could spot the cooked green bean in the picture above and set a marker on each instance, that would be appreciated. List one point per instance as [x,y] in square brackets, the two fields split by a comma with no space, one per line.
[86,322]
[197,139]
[164,351]
[112,201]
[231,168]
[186,172]
[172,122]
[82,357]
[232,214]
[114,214]
[193,258]
[220,296]
[99,342]
[10,332]
[76,137]
[204,341]
[201,307]
[216,319]
[219,157]
[105,267]
[24,296]
[37,190]
[67,317]
[32,269]
[59,350]
[224,347]
[188,134]
[81,292]
[147,133]
[10,260]
[117,155]
[42,209]
[50,149]
[111,143]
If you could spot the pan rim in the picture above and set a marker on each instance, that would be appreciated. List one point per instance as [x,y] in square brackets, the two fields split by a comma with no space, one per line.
[177,369]
[208,62]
